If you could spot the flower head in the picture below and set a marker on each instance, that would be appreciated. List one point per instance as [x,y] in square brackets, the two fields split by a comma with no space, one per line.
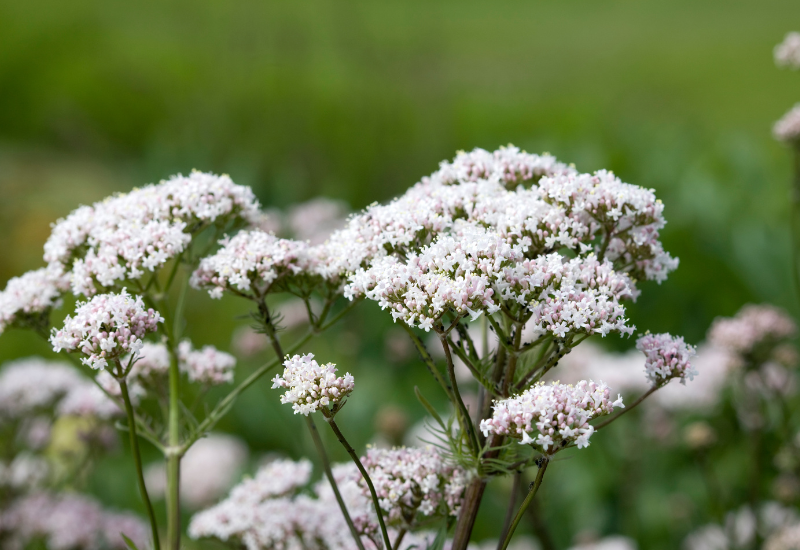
[105,328]
[752,328]
[557,414]
[787,129]
[207,365]
[126,235]
[414,480]
[787,53]
[666,357]
[311,386]
[29,296]
[31,384]
[250,263]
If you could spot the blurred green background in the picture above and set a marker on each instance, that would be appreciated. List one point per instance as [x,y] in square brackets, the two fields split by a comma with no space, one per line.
[358,100]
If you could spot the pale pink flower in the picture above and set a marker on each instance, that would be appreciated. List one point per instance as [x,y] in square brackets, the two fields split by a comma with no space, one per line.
[311,386]
[105,328]
[556,414]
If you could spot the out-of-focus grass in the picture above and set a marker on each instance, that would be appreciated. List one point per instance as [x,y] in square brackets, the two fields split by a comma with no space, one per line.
[358,100]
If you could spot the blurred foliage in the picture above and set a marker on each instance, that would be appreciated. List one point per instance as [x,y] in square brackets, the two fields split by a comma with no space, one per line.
[357,101]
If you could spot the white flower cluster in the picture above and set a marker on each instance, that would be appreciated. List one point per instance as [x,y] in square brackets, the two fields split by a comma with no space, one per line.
[32,384]
[787,128]
[410,480]
[207,365]
[787,53]
[560,414]
[30,295]
[152,362]
[787,538]
[258,513]
[314,221]
[451,273]
[275,516]
[615,542]
[431,206]
[69,521]
[126,235]
[629,216]
[25,472]
[469,239]
[742,528]
[88,400]
[250,263]
[475,270]
[752,327]
[106,327]
[311,386]
[208,470]
[666,357]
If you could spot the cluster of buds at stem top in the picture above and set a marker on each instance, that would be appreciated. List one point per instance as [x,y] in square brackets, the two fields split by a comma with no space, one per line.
[550,417]
[311,386]
[105,328]
[666,357]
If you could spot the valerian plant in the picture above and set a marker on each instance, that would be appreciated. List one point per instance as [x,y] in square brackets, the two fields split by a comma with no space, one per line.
[509,259]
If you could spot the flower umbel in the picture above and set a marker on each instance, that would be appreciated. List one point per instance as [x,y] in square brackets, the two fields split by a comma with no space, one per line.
[106,327]
[311,386]
[666,357]
[560,413]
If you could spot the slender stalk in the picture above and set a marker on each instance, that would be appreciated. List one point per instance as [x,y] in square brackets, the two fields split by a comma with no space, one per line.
[326,465]
[795,220]
[137,459]
[512,360]
[512,504]
[173,455]
[227,402]
[428,360]
[399,538]
[276,346]
[143,429]
[340,436]
[539,527]
[525,503]
[635,404]
[457,401]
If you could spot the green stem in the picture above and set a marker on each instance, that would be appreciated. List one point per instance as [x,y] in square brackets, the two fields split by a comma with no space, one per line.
[525,503]
[326,465]
[795,220]
[174,454]
[635,404]
[461,409]
[511,505]
[227,402]
[137,459]
[340,436]
[428,360]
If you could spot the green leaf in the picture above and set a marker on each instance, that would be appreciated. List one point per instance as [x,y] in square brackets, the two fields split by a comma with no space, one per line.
[441,537]
[128,542]
[429,408]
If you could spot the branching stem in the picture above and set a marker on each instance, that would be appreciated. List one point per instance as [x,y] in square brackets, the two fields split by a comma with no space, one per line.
[525,503]
[340,436]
